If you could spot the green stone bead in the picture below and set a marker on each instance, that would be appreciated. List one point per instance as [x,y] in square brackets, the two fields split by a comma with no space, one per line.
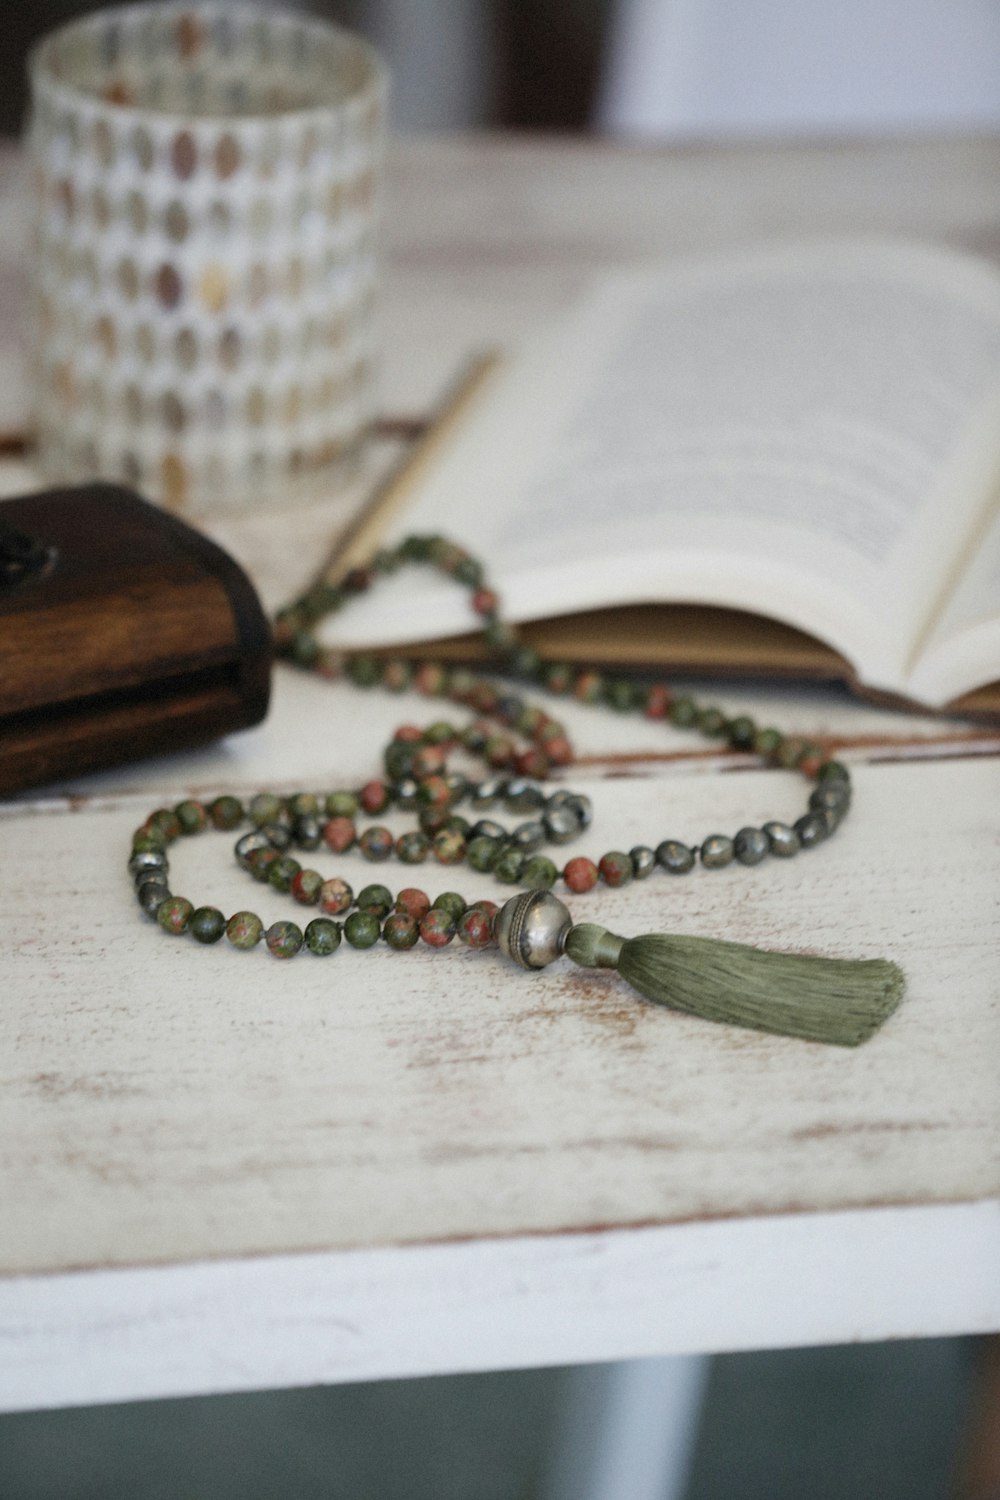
[364,671]
[362,929]
[207,924]
[174,915]
[376,899]
[244,929]
[398,759]
[449,847]
[413,847]
[766,741]
[741,731]
[304,805]
[265,808]
[509,865]
[482,853]
[284,939]
[539,874]
[620,694]
[832,770]
[226,812]
[282,872]
[144,842]
[451,902]
[401,930]
[342,804]
[322,936]
[164,823]
[683,712]
[558,677]
[440,732]
[712,721]
[304,648]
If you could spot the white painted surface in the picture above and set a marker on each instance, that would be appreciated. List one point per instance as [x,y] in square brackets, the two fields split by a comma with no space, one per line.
[300,1320]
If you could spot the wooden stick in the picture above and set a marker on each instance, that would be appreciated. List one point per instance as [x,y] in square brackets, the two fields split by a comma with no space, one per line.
[356,543]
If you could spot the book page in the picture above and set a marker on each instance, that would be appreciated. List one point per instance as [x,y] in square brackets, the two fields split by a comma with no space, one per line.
[963,652]
[794,432]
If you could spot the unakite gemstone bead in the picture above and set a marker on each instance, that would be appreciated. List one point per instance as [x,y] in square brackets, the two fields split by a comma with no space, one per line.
[207,924]
[339,834]
[265,808]
[397,675]
[581,874]
[335,896]
[364,671]
[832,770]
[712,722]
[449,847]
[413,901]
[342,804]
[482,852]
[145,842]
[306,886]
[615,868]
[226,812]
[437,928]
[376,844]
[362,929]
[741,731]
[450,902]
[750,846]
[322,936]
[766,741]
[244,929]
[192,816]
[164,822]
[508,866]
[475,928]
[284,939]
[282,872]
[304,805]
[412,848]
[174,915]
[400,930]
[539,873]
[683,712]
[376,899]
[717,851]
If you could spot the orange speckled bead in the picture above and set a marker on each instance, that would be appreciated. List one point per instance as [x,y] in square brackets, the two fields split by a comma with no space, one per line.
[580,874]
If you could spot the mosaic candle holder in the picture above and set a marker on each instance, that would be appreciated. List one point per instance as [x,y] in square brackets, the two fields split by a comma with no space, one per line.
[207,185]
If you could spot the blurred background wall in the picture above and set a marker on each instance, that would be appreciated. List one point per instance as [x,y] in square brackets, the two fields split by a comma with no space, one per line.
[655,68]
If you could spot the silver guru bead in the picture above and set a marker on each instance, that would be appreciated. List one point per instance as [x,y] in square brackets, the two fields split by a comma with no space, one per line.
[531,929]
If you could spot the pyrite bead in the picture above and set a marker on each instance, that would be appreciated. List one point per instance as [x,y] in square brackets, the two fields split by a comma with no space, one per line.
[151,897]
[674,857]
[523,795]
[810,829]
[486,828]
[750,846]
[717,851]
[561,824]
[489,792]
[643,861]
[834,796]
[147,859]
[528,837]
[582,808]
[782,840]
[278,834]
[306,831]
[407,794]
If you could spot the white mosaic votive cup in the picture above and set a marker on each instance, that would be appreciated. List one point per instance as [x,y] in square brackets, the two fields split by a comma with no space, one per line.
[208,181]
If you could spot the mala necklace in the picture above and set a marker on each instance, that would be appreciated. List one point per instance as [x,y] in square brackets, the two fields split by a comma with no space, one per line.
[821,999]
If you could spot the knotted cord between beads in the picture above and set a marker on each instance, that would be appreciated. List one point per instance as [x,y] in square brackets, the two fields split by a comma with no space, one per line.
[418,778]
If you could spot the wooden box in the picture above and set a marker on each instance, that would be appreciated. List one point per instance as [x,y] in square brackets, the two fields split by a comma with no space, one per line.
[123,633]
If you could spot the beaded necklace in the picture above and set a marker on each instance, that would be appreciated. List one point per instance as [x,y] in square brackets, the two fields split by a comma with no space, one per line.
[821,999]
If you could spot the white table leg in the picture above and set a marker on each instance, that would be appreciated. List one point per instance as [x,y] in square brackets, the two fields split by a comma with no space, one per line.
[626,1429]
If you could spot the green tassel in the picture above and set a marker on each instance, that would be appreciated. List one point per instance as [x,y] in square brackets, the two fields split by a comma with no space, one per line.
[843,1001]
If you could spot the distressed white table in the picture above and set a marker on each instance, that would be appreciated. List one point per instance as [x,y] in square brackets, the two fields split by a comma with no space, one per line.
[220,1173]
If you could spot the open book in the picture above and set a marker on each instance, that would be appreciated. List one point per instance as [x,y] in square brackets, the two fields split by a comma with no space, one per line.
[806,440]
